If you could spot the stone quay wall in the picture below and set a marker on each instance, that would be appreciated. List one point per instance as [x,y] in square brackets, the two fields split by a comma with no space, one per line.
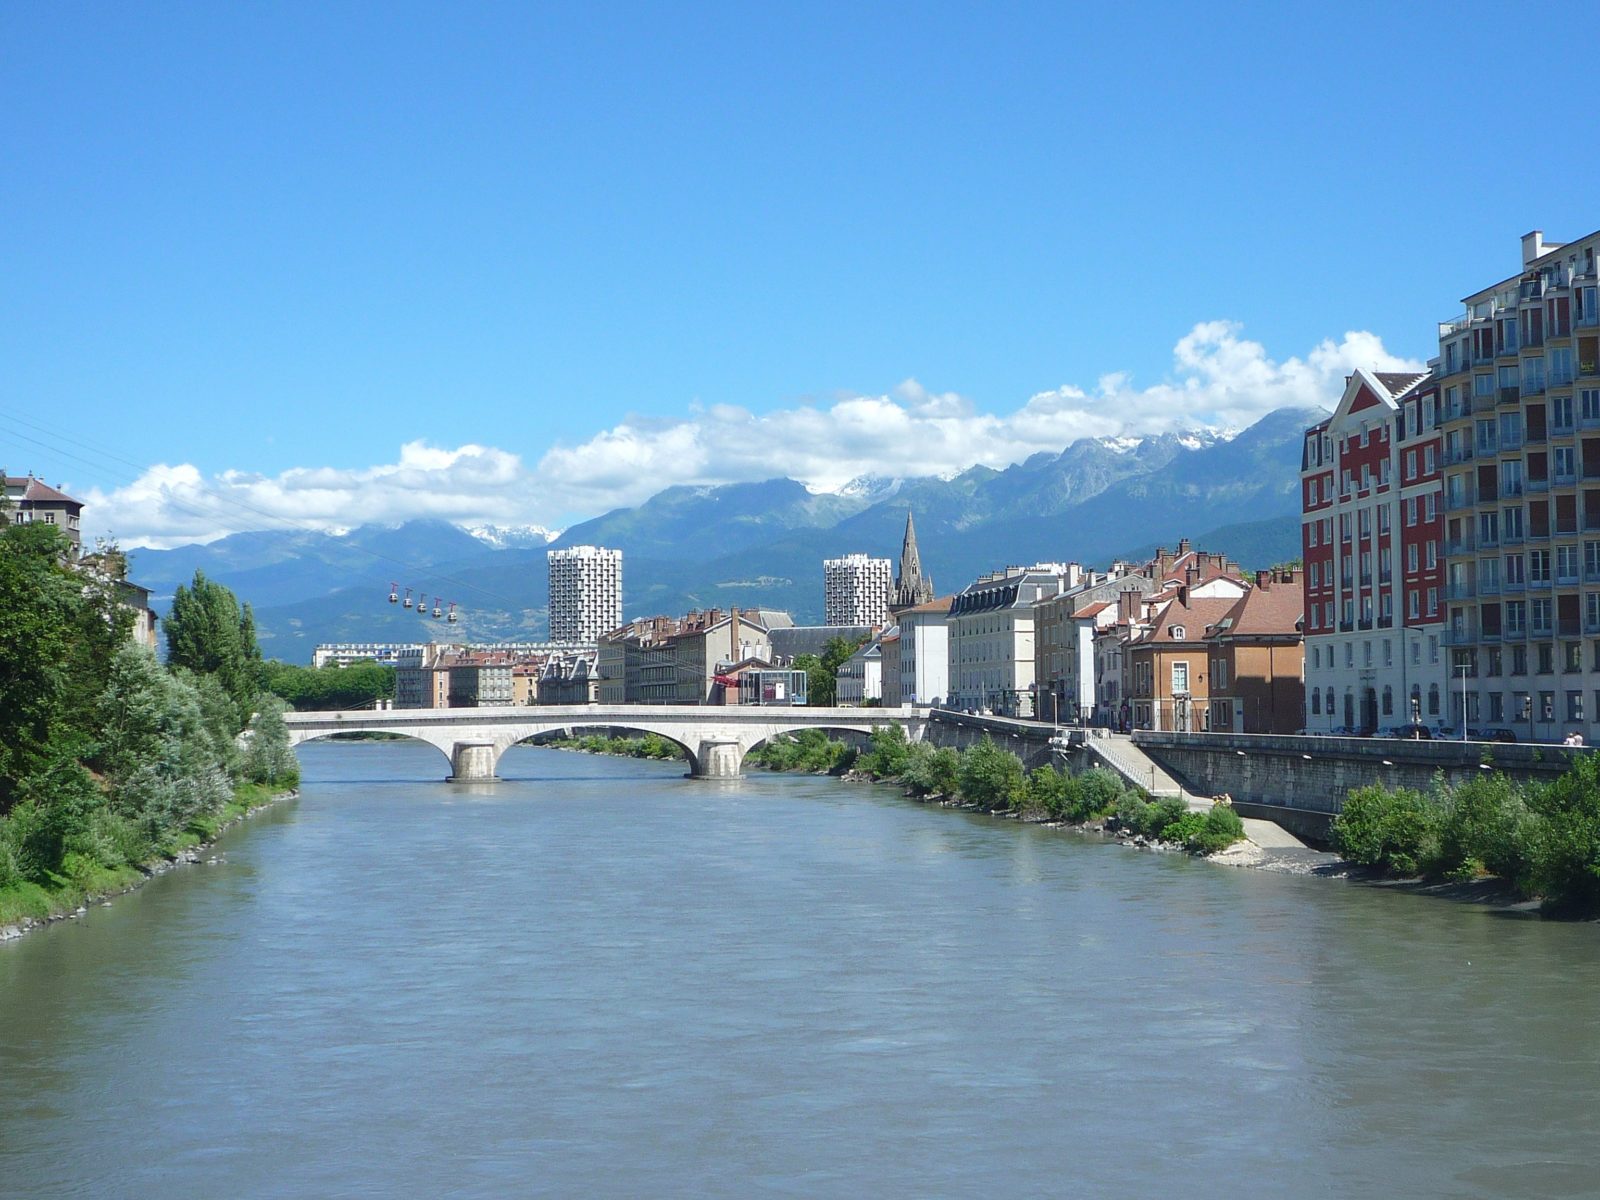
[1028,740]
[1312,775]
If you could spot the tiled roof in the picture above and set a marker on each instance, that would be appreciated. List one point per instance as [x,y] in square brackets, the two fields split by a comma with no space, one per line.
[38,490]
[1195,617]
[942,604]
[1272,610]
[1399,382]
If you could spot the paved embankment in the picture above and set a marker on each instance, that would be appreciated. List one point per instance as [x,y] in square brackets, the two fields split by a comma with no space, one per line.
[1028,740]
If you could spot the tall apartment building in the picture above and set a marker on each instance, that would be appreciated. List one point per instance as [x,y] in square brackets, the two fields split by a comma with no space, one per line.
[1372,539]
[856,590]
[991,636]
[585,593]
[1519,372]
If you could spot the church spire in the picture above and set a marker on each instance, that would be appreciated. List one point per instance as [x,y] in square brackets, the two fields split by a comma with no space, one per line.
[912,587]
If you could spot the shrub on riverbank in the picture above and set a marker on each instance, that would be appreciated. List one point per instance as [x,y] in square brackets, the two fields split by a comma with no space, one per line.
[809,750]
[650,745]
[1541,839]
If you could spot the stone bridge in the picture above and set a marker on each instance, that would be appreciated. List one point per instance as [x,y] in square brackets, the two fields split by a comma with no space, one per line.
[716,739]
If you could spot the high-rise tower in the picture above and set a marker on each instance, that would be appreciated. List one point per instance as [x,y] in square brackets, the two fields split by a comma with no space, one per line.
[585,593]
[911,586]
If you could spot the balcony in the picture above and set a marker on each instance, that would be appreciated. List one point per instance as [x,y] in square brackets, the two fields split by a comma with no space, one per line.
[1536,485]
[1488,587]
[1511,441]
[1457,501]
[1462,636]
[1538,585]
[1386,622]
[1566,478]
[1565,579]
[1456,455]
[1515,587]
[1510,489]
[1460,590]
[1366,579]
[1510,395]
[1533,387]
[1459,546]
[1347,626]
[1511,538]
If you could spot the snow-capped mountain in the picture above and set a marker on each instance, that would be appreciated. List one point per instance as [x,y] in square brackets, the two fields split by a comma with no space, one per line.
[513,537]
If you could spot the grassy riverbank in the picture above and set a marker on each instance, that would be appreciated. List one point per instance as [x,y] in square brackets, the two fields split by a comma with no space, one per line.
[84,880]
[992,779]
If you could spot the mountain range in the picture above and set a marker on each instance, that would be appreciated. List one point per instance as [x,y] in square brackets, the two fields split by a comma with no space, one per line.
[762,544]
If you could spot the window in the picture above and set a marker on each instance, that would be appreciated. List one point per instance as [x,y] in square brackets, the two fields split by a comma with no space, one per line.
[1411,556]
[1497,704]
[1572,658]
[1349,654]
[1388,701]
[1519,660]
[1180,678]
[1413,605]
[1177,636]
[1433,699]
[1428,462]
[1433,600]
[1410,515]
[1316,703]
[1431,503]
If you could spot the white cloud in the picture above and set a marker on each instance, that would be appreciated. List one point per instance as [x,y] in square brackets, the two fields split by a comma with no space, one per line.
[1218,379]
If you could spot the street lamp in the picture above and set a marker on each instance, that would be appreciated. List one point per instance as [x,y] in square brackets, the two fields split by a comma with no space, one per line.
[1462,667]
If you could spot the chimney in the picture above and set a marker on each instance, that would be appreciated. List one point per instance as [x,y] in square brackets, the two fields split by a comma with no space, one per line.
[1263,579]
[1128,604]
[1191,576]
[733,636]
[1183,546]
[1532,246]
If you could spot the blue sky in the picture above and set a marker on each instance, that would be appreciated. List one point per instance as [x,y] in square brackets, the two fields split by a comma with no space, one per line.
[566,257]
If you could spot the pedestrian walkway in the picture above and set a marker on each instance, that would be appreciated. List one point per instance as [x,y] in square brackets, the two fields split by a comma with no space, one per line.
[1117,751]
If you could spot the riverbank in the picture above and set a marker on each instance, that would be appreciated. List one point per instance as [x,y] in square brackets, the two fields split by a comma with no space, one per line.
[28,906]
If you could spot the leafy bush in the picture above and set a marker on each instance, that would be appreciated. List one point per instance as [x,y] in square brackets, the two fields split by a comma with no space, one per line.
[989,776]
[1564,842]
[1044,793]
[1222,829]
[931,770]
[1484,829]
[1396,830]
[889,753]
[1102,792]
[1134,813]
[1181,831]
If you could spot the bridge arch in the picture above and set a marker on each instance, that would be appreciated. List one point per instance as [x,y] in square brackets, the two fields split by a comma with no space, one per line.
[580,728]
[716,739]
[298,739]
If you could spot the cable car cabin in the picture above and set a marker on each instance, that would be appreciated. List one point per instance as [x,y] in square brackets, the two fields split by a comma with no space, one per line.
[394,593]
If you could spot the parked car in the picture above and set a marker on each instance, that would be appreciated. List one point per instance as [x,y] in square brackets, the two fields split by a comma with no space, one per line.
[1412,733]
[1492,735]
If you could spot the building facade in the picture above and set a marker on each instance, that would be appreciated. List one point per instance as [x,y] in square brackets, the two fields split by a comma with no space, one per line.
[1519,371]
[856,590]
[1373,541]
[585,593]
[860,678]
[991,636]
[35,500]
[924,652]
[1258,658]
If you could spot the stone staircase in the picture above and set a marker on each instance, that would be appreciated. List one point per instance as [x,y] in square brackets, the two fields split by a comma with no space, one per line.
[1117,752]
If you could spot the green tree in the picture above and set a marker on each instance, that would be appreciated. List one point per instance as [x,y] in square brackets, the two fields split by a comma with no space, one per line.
[888,755]
[208,634]
[989,776]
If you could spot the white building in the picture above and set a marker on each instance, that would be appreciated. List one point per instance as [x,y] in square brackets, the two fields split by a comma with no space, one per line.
[991,635]
[857,590]
[344,653]
[925,652]
[585,593]
[860,678]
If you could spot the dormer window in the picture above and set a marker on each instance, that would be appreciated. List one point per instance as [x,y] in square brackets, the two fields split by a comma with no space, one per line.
[1177,633]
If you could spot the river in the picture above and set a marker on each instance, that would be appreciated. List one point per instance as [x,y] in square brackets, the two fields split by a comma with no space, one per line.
[598,978]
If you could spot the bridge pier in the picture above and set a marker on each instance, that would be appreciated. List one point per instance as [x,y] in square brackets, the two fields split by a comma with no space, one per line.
[717,760]
[472,761]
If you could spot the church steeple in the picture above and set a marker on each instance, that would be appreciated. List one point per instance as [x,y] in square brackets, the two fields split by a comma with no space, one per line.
[911,586]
